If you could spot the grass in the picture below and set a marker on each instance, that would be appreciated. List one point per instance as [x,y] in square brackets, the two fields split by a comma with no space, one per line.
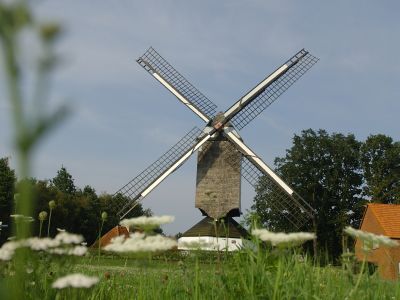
[240,275]
[246,275]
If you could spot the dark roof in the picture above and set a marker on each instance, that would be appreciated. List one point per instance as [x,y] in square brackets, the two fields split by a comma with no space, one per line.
[226,227]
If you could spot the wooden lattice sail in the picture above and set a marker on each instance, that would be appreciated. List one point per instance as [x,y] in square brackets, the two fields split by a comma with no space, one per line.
[223,156]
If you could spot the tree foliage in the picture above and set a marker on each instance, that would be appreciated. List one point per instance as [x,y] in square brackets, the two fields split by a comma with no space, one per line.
[77,210]
[64,181]
[380,160]
[325,170]
[7,185]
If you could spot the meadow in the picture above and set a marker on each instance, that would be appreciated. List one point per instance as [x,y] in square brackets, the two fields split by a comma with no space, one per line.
[273,273]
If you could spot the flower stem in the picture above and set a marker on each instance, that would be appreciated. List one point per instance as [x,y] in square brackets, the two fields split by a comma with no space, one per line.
[48,225]
[359,276]
[99,237]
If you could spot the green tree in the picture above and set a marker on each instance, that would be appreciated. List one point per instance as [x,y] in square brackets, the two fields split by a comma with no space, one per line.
[324,169]
[7,189]
[64,181]
[380,160]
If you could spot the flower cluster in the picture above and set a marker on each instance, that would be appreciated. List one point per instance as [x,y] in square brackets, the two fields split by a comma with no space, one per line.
[75,281]
[369,238]
[147,221]
[280,238]
[63,243]
[139,242]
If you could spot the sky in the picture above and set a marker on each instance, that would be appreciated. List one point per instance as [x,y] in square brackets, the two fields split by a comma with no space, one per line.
[122,119]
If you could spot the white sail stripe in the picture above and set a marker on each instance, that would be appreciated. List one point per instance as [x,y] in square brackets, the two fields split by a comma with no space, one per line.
[180,97]
[259,162]
[261,85]
[174,166]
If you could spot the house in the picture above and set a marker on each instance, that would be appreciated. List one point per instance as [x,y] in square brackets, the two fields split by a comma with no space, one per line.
[382,219]
[114,232]
[225,234]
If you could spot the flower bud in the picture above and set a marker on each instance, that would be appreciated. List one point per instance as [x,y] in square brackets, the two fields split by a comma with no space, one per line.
[52,204]
[43,215]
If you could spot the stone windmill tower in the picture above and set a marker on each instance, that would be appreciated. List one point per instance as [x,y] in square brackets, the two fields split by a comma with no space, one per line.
[223,157]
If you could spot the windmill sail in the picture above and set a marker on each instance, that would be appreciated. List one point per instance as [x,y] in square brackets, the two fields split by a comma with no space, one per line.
[298,65]
[281,198]
[166,74]
[292,208]
[135,188]
[212,170]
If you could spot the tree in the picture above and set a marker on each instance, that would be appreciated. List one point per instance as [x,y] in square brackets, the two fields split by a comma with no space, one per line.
[380,160]
[324,169]
[64,181]
[7,189]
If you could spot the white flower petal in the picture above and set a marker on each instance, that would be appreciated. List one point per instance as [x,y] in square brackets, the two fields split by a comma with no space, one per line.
[137,242]
[75,281]
[368,237]
[147,221]
[281,237]
[69,238]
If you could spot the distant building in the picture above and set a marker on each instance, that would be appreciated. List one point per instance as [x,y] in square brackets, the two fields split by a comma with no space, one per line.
[382,219]
[114,232]
[211,235]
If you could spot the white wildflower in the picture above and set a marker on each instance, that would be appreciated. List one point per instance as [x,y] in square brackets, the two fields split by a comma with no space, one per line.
[75,281]
[8,249]
[283,238]
[78,251]
[75,251]
[138,242]
[61,244]
[38,244]
[370,238]
[147,221]
[6,254]
[69,238]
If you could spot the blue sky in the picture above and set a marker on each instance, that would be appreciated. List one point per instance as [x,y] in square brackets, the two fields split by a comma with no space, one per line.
[123,119]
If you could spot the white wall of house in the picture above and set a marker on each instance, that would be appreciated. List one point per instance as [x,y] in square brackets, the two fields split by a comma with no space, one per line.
[209,243]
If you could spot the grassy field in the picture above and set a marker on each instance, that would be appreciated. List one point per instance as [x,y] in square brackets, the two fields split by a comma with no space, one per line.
[247,275]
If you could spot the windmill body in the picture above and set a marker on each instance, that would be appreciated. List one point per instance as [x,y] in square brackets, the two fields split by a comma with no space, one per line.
[218,179]
[223,157]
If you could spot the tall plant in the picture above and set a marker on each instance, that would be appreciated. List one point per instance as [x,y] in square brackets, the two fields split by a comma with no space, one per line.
[52,205]
[42,218]
[29,128]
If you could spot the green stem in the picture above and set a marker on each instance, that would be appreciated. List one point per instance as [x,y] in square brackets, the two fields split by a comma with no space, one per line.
[278,278]
[23,151]
[40,228]
[359,276]
[101,229]
[196,281]
[25,204]
[48,225]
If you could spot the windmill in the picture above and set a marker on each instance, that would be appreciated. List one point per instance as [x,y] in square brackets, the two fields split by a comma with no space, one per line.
[223,157]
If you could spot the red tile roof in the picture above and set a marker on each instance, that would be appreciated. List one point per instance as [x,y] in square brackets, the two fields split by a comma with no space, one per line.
[388,215]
